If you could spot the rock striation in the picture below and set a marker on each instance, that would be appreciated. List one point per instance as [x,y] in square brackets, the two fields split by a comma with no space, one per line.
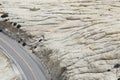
[76,40]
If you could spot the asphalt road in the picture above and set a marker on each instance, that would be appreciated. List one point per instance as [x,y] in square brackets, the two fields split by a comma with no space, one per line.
[28,66]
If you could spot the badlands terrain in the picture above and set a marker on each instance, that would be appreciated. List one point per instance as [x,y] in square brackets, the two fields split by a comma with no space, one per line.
[74,39]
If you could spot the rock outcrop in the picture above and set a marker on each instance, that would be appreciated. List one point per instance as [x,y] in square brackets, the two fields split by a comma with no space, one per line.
[76,39]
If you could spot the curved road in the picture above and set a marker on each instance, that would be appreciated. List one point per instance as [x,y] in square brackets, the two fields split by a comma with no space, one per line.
[29,67]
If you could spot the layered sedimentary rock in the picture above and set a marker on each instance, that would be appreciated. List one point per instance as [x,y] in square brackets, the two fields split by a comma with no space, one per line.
[81,37]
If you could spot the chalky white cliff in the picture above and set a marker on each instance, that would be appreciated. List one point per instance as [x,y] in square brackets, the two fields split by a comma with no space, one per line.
[81,37]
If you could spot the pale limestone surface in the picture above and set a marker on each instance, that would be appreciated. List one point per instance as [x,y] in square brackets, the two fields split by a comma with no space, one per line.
[85,34]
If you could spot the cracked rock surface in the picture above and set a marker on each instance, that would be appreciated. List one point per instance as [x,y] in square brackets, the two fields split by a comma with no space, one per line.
[83,34]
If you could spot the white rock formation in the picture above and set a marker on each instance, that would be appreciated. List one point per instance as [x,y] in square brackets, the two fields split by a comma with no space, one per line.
[85,34]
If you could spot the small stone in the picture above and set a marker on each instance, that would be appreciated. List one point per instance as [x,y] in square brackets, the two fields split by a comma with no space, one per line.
[14,24]
[6,20]
[0,30]
[40,40]
[63,69]
[18,41]
[18,26]
[24,44]
[35,47]
[108,70]
[118,79]
[4,15]
[116,65]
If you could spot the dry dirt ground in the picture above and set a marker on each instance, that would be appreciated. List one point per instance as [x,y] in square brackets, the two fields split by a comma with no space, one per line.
[82,37]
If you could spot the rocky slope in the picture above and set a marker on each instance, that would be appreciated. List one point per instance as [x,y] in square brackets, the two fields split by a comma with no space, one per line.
[76,39]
